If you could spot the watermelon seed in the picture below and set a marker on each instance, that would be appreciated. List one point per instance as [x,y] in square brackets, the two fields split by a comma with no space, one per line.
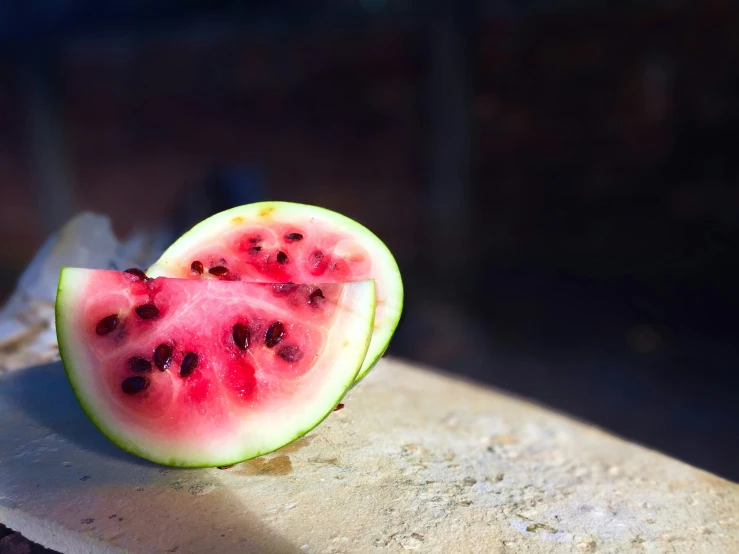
[189,363]
[147,311]
[256,239]
[281,257]
[132,385]
[163,356]
[136,272]
[197,267]
[283,289]
[290,354]
[274,334]
[316,298]
[292,237]
[241,336]
[106,325]
[218,271]
[137,364]
[338,407]
[255,249]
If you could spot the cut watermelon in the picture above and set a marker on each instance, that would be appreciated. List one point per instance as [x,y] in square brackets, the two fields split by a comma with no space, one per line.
[285,242]
[201,374]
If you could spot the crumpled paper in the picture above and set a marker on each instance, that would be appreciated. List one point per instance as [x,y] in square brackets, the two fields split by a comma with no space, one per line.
[27,329]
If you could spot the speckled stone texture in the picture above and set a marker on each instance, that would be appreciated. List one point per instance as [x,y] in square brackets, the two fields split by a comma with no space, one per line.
[415,461]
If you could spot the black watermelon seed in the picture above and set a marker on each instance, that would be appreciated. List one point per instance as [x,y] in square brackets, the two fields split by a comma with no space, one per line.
[218,271]
[338,407]
[292,237]
[163,356]
[283,289]
[189,363]
[197,267]
[281,257]
[106,325]
[274,334]
[137,364]
[316,298]
[241,336]
[132,385]
[255,249]
[136,272]
[147,311]
[256,239]
[290,354]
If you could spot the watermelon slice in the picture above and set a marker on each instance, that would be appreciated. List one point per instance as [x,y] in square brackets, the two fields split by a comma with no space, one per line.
[201,374]
[285,242]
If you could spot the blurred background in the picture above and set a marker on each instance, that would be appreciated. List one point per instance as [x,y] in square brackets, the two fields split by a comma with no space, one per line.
[558,180]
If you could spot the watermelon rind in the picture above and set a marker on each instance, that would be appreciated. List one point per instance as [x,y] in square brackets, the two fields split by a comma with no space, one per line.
[263,432]
[386,274]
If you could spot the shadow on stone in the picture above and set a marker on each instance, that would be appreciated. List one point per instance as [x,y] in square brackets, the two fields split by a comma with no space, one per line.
[44,394]
[200,515]
[62,470]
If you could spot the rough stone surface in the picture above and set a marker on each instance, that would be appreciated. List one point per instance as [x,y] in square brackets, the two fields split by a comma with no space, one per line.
[416,461]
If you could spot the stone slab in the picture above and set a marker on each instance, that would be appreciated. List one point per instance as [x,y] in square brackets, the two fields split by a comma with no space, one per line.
[416,461]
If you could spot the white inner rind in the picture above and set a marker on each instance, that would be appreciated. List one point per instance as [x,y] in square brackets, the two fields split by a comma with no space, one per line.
[385,269]
[275,423]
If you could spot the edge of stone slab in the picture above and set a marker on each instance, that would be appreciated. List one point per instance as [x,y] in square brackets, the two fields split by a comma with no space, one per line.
[532,405]
[19,541]
[52,535]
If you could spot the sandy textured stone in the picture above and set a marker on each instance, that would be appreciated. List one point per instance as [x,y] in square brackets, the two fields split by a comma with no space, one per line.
[416,461]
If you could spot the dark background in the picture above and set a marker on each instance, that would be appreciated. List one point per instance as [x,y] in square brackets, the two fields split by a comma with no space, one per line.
[558,180]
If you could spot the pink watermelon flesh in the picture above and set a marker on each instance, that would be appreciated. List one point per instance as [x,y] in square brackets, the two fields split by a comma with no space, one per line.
[206,373]
[284,242]
[278,253]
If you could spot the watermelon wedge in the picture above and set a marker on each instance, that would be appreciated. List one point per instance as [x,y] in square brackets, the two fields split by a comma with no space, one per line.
[209,373]
[284,242]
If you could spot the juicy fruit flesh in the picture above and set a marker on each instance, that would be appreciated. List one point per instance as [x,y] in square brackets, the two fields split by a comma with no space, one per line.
[197,323]
[284,242]
[203,357]
[271,253]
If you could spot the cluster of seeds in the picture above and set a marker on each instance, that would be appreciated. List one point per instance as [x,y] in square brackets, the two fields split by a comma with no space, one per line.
[162,355]
[146,311]
[198,268]
[272,337]
[162,359]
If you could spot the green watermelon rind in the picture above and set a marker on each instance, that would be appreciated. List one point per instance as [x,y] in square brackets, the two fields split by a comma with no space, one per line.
[64,350]
[393,284]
